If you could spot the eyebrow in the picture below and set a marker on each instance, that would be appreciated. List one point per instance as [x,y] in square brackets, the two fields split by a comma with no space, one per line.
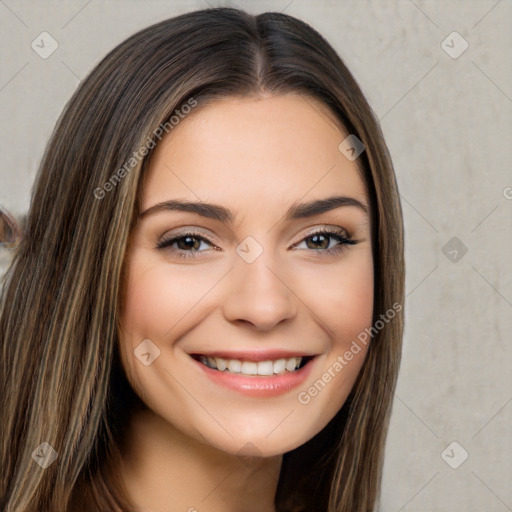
[222,214]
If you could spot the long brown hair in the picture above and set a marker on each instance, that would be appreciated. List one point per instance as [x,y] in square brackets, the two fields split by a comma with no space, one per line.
[61,379]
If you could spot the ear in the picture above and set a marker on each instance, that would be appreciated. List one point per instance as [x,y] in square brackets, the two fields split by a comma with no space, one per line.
[10,229]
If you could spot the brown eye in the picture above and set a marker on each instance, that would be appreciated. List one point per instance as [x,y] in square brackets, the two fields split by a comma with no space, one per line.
[320,241]
[188,242]
[186,245]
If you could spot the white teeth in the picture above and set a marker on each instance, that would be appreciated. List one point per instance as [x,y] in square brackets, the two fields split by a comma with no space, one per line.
[249,368]
[221,363]
[291,364]
[279,366]
[235,366]
[264,368]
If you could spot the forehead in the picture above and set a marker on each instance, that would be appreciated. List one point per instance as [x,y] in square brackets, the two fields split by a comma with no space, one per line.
[239,151]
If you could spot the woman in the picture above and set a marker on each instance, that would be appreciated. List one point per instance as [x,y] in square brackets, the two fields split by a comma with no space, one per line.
[253,372]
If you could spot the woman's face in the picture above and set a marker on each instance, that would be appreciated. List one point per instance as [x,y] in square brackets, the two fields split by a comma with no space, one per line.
[229,275]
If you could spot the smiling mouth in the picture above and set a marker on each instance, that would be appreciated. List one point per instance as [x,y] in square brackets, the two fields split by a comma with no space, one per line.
[267,368]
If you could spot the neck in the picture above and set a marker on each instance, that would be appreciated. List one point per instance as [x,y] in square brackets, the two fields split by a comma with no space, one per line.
[166,471]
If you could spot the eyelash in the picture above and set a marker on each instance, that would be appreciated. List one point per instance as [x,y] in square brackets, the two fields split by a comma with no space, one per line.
[339,234]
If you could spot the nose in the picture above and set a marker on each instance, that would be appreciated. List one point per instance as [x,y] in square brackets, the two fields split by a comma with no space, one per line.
[259,294]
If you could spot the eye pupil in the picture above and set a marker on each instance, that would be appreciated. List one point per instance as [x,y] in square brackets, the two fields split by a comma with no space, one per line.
[316,238]
[189,242]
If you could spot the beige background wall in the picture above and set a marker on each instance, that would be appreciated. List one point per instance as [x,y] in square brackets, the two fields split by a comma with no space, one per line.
[447,121]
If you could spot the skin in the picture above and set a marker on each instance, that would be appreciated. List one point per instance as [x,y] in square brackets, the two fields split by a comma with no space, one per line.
[256,156]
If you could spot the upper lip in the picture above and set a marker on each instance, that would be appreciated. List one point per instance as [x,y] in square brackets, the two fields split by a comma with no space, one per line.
[253,355]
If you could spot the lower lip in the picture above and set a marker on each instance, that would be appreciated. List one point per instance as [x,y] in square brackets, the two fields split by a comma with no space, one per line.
[257,385]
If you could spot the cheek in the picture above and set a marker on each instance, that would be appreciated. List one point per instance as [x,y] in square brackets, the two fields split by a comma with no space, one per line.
[350,313]
[154,302]
[350,303]
[158,297]
[345,308]
[342,297]
[160,301]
